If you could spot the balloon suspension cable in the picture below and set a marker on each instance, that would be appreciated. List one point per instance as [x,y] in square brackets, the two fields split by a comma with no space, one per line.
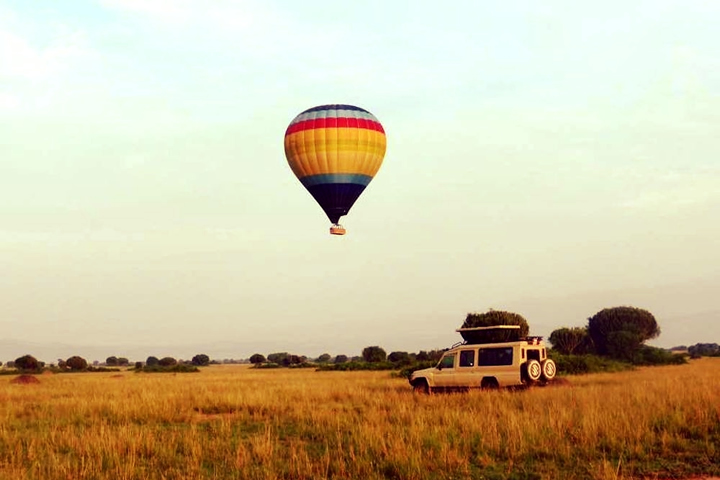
[337,229]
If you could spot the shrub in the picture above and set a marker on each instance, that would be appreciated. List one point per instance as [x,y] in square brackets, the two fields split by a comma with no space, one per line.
[571,340]
[324,358]
[152,361]
[76,363]
[111,361]
[27,363]
[407,371]
[341,359]
[402,358]
[374,354]
[176,368]
[167,362]
[278,357]
[491,319]
[123,362]
[581,364]
[257,358]
[704,350]
[201,360]
[657,356]
[354,365]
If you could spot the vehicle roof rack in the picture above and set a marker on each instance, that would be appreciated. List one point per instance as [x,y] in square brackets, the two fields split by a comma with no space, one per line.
[492,327]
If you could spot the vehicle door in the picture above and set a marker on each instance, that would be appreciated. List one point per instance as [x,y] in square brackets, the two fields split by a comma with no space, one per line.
[466,374]
[444,374]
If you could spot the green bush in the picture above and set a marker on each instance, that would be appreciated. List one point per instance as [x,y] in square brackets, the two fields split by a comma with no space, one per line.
[490,319]
[582,364]
[374,354]
[407,371]
[177,368]
[352,366]
[267,365]
[658,356]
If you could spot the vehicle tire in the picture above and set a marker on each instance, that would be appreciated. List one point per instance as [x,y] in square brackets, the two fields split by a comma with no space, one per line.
[489,383]
[534,370]
[421,386]
[549,369]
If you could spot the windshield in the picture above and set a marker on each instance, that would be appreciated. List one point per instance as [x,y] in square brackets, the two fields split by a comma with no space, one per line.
[448,361]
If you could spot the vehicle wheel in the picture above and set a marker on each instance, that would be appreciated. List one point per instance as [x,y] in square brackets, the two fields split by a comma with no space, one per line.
[549,369]
[421,386]
[489,384]
[534,370]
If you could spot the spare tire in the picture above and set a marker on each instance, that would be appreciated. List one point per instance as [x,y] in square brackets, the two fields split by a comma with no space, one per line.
[549,369]
[534,370]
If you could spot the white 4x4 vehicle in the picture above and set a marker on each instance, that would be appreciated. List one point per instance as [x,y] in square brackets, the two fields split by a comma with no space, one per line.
[488,365]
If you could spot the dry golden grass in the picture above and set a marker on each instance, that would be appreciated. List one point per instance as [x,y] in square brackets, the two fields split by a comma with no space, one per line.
[231,422]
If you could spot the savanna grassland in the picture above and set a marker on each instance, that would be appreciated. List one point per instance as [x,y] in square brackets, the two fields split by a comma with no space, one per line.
[233,422]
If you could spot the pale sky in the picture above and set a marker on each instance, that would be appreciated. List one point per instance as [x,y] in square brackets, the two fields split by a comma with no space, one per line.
[549,158]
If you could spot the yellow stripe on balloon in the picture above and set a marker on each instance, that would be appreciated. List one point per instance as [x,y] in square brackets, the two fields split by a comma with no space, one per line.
[335,150]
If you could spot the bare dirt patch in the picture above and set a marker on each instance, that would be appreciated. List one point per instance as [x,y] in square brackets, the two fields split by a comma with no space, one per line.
[25,380]
[560,382]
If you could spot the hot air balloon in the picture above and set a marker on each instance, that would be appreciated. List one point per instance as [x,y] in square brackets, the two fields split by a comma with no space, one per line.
[335,150]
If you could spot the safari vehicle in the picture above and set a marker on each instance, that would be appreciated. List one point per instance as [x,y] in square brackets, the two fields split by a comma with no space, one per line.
[471,364]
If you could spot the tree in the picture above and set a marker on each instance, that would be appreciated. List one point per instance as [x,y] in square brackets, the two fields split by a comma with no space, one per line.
[111,361]
[293,360]
[324,358]
[257,358]
[27,362]
[152,361]
[123,362]
[341,359]
[400,357]
[493,318]
[704,350]
[201,360]
[76,363]
[278,357]
[571,341]
[167,362]
[61,363]
[374,354]
[619,332]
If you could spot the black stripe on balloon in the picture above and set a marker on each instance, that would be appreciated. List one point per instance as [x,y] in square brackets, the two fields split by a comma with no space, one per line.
[336,199]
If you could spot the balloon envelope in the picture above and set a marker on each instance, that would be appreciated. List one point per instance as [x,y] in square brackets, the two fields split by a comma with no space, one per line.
[335,151]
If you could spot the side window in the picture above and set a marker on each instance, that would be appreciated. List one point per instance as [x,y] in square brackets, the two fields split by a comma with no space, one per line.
[495,356]
[467,358]
[448,361]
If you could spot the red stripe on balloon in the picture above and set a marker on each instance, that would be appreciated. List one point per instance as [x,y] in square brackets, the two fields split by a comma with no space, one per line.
[332,122]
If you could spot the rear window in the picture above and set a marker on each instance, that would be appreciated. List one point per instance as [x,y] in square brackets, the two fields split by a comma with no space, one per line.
[495,356]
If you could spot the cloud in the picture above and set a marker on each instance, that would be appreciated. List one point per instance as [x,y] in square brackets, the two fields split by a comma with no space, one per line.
[170,11]
[21,60]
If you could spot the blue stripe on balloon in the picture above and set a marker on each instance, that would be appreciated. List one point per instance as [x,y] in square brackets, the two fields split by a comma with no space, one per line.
[356,178]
